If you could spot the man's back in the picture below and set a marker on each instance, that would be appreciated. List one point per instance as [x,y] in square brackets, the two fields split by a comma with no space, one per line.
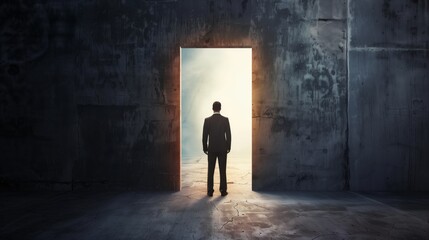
[217,131]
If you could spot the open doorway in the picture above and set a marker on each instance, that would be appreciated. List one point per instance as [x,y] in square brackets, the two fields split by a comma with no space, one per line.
[208,75]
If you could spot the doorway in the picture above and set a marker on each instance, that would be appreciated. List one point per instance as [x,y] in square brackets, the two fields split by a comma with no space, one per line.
[208,75]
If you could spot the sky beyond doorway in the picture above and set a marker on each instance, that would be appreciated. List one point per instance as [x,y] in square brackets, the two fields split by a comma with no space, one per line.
[216,74]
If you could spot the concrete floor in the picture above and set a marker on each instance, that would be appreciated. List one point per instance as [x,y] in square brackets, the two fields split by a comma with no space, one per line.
[190,214]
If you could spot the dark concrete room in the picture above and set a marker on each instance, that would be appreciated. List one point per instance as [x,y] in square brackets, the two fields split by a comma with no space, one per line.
[313,116]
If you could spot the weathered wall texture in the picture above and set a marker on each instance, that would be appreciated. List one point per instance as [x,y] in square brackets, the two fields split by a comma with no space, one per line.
[88,95]
[90,90]
[388,95]
[299,138]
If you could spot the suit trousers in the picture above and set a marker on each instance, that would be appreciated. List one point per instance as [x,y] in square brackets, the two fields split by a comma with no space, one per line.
[221,156]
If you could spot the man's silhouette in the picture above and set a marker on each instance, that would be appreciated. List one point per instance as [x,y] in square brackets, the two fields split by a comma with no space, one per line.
[218,133]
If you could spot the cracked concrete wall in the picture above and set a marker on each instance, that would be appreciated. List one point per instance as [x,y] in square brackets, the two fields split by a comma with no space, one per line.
[90,90]
[388,91]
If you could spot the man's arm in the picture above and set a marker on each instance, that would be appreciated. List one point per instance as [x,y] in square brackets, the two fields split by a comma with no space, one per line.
[205,136]
[228,136]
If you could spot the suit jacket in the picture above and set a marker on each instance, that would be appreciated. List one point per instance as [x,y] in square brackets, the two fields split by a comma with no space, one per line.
[218,132]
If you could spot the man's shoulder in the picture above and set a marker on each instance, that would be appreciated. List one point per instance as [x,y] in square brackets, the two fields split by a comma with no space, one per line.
[208,119]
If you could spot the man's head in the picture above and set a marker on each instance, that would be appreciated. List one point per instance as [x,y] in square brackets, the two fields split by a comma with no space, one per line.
[216,106]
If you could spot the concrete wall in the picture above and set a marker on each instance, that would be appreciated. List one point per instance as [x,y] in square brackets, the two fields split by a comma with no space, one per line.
[300,106]
[389,100]
[89,91]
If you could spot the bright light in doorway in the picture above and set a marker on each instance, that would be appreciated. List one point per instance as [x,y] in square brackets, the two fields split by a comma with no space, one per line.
[216,74]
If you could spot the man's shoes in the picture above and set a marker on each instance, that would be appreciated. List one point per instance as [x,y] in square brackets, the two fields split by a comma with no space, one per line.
[224,193]
[210,194]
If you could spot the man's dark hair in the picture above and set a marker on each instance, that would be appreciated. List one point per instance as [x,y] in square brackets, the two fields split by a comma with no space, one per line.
[216,106]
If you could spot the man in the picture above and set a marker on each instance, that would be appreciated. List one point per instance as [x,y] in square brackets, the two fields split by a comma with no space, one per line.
[218,133]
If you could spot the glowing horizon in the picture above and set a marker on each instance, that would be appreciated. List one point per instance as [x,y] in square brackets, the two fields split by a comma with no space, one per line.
[216,74]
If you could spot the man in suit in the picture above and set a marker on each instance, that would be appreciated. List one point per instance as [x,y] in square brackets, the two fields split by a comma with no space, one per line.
[217,131]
